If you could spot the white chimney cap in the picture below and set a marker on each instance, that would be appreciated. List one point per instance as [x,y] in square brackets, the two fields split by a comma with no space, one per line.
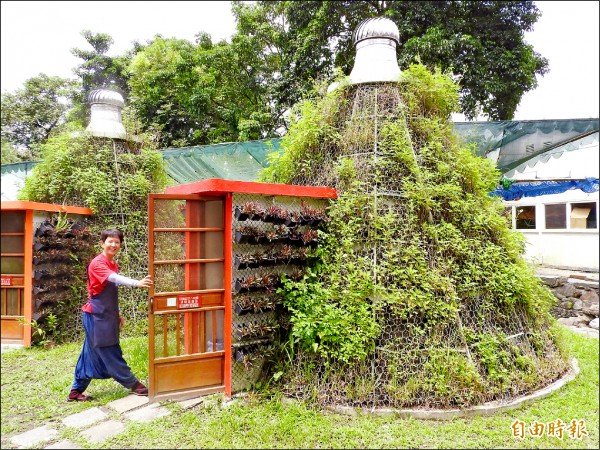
[378,27]
[106,96]
[105,110]
[376,62]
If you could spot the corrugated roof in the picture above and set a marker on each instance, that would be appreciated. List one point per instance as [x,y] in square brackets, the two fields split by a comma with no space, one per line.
[513,142]
[556,151]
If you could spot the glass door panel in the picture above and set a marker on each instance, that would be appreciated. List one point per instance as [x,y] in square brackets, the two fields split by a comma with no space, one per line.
[186,321]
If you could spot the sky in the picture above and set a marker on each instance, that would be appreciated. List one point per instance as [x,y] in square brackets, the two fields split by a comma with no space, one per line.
[37,37]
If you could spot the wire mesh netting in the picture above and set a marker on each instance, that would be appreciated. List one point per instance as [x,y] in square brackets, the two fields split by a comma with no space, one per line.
[129,214]
[446,336]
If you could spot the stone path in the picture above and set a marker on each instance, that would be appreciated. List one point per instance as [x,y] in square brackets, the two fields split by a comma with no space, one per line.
[98,423]
[586,331]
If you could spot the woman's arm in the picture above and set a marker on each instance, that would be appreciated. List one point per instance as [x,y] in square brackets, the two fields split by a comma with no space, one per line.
[124,281]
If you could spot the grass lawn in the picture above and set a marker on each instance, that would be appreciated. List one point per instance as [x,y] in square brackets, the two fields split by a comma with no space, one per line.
[35,384]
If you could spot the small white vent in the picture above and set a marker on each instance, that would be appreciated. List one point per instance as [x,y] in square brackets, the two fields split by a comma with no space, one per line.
[105,119]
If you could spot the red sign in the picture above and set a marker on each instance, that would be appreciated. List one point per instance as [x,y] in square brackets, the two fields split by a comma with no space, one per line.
[7,281]
[188,301]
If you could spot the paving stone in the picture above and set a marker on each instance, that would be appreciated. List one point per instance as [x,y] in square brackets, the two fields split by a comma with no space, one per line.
[65,443]
[8,347]
[84,418]
[148,413]
[103,431]
[228,403]
[128,403]
[190,403]
[587,331]
[35,436]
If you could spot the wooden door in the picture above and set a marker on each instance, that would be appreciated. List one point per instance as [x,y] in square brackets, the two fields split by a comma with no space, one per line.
[189,240]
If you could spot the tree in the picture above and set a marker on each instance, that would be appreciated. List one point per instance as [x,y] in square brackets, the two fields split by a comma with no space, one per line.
[166,90]
[31,114]
[98,70]
[243,99]
[202,93]
[9,154]
[480,42]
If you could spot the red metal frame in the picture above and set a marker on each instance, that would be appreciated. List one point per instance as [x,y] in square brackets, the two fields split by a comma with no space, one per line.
[28,281]
[35,206]
[227,280]
[226,188]
[217,186]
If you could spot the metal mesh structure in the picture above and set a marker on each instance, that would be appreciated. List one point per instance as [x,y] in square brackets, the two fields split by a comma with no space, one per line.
[266,245]
[480,348]
[360,118]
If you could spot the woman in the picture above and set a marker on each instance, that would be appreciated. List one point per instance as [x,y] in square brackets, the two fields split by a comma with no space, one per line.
[101,356]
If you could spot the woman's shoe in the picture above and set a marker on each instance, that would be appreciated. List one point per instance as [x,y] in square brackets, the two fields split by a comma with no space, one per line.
[77,396]
[139,389]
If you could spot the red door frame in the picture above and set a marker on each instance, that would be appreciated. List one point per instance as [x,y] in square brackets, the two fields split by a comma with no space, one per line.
[189,329]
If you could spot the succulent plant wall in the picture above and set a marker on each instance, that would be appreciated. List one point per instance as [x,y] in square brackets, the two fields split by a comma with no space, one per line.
[274,237]
[61,251]
[421,297]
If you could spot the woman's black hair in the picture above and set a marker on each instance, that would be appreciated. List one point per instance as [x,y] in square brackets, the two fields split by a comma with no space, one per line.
[112,232]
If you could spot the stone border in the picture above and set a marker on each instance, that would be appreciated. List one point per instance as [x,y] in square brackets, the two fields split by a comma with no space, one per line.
[487,409]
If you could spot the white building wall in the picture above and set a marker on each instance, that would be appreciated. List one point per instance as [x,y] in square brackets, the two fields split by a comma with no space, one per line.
[576,250]
[567,248]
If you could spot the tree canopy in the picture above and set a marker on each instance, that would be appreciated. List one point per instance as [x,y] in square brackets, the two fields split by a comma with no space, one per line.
[31,114]
[480,42]
[98,70]
[206,92]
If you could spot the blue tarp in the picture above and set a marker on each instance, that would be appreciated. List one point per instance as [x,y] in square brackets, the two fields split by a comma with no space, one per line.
[537,188]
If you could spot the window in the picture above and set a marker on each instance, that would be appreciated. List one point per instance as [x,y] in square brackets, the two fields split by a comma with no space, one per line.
[525,217]
[12,266]
[583,216]
[12,222]
[12,238]
[556,216]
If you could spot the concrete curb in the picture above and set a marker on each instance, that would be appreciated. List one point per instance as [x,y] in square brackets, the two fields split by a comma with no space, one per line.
[487,409]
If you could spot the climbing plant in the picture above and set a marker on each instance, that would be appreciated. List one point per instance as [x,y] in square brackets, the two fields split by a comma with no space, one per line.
[113,178]
[422,297]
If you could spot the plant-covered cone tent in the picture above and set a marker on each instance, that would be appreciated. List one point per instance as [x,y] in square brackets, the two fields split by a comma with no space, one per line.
[421,298]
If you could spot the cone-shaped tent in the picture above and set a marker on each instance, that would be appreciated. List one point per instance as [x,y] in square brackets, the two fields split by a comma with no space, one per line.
[422,297]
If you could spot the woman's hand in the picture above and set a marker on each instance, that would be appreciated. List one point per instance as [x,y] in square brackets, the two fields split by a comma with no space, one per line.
[121,322]
[146,282]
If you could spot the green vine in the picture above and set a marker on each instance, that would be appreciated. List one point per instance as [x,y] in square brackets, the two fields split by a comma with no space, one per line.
[114,180]
[421,277]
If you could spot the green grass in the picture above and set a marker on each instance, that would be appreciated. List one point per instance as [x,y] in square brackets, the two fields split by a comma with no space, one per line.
[35,384]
